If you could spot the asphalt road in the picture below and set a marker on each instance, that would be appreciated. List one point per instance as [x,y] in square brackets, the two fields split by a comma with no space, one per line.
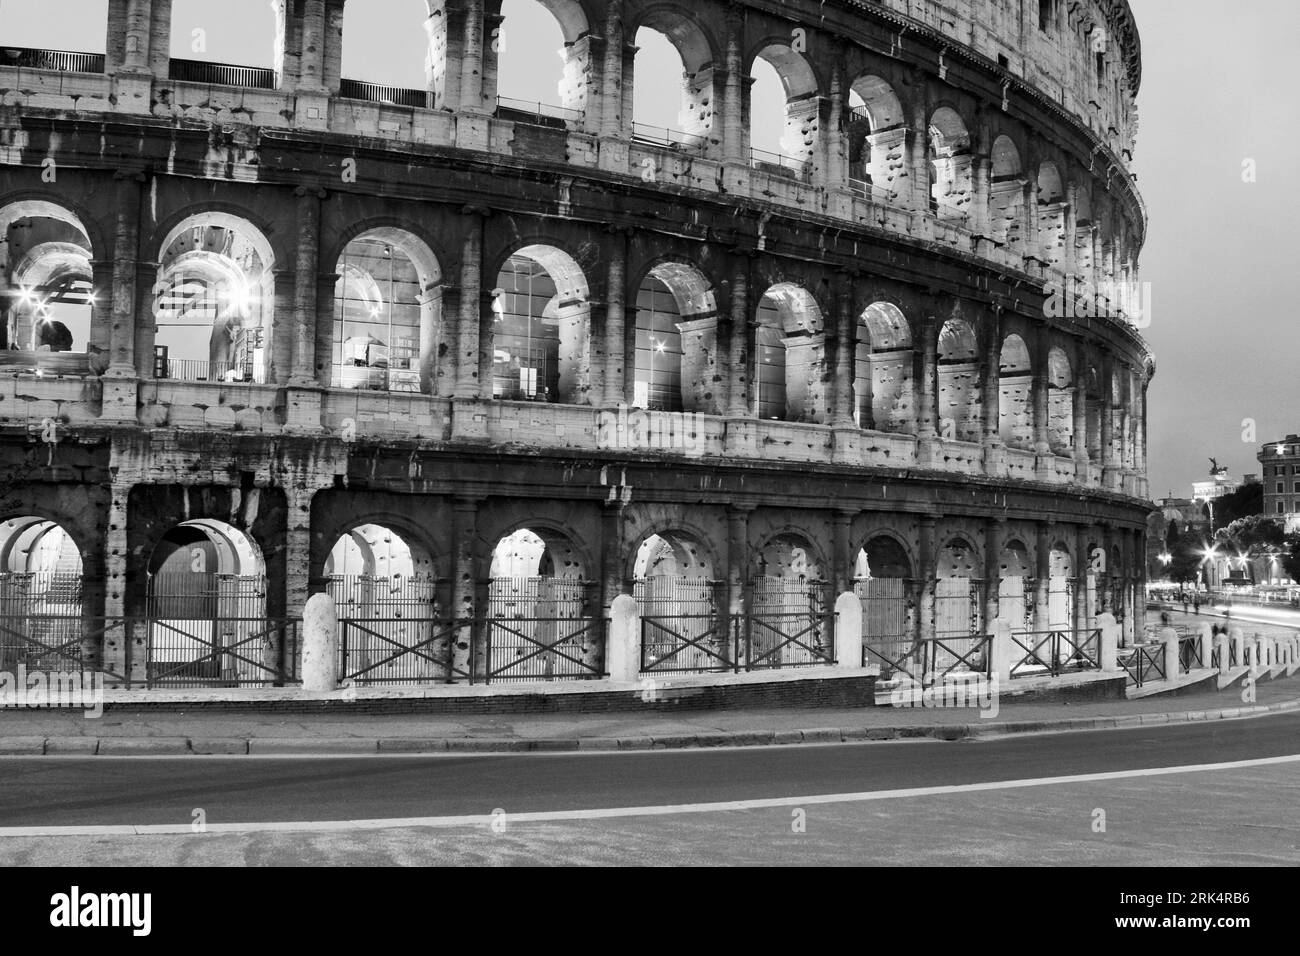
[102,791]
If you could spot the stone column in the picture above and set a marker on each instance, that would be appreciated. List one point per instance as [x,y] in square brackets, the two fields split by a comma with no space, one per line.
[1085,611]
[979,220]
[842,395]
[842,560]
[1109,458]
[464,584]
[928,562]
[737,574]
[126,243]
[138,27]
[1080,428]
[468,342]
[306,276]
[326,286]
[146,325]
[919,157]
[615,370]
[926,391]
[471,59]
[1043,572]
[101,314]
[1071,261]
[1031,247]
[734,141]
[991,405]
[993,534]
[311,75]
[738,340]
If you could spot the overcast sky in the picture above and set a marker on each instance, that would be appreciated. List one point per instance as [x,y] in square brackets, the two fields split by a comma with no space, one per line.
[1219,254]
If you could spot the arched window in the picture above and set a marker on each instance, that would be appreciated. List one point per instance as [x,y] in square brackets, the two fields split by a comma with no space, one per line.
[394,51]
[1006,193]
[544,69]
[1060,403]
[41,600]
[48,297]
[950,165]
[883,378]
[541,328]
[1051,214]
[1016,587]
[1016,395]
[233,44]
[215,301]
[789,356]
[672,337]
[665,113]
[877,140]
[387,313]
[882,579]
[784,112]
[959,382]
[677,588]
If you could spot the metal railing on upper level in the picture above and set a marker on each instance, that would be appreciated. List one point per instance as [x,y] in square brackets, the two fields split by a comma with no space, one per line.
[222,74]
[62,60]
[761,157]
[662,136]
[536,113]
[377,93]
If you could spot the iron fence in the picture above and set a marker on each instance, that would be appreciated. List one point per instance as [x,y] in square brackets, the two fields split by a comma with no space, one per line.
[61,60]
[221,74]
[377,93]
[1053,653]
[543,648]
[230,652]
[683,628]
[786,623]
[888,625]
[411,650]
[1142,661]
[1190,653]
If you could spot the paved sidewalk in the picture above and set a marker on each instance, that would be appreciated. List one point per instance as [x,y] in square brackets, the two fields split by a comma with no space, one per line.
[123,732]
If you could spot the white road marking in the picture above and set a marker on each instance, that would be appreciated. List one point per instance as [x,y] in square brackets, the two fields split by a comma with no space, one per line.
[610,813]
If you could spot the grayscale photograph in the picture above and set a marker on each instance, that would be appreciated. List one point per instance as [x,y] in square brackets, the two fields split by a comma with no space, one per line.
[649,433]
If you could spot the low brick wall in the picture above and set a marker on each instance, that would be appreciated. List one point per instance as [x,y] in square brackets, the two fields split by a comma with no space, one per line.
[668,695]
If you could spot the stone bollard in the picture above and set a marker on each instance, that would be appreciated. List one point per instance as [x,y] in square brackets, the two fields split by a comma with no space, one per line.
[1204,645]
[320,644]
[1169,637]
[623,652]
[848,631]
[1224,659]
[1000,666]
[1238,645]
[1110,631]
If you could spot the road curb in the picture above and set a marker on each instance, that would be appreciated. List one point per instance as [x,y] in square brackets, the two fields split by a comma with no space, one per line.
[26,746]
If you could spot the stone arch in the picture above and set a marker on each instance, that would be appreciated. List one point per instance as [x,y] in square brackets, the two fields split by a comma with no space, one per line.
[882,381]
[952,183]
[674,339]
[700,92]
[541,337]
[575,87]
[789,555]
[1060,588]
[387,312]
[958,610]
[802,120]
[1015,585]
[877,138]
[675,582]
[1006,192]
[1051,214]
[1015,394]
[959,381]
[1060,402]
[41,586]
[214,300]
[46,281]
[789,356]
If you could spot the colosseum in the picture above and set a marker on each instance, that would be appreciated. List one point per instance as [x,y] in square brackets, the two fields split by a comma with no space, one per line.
[476,370]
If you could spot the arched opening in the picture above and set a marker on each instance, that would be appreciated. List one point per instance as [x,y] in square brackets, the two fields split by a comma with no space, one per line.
[1084,232]
[1060,402]
[543,618]
[784,110]
[531,86]
[682,626]
[1060,590]
[215,301]
[39,34]
[48,294]
[877,140]
[665,114]
[882,383]
[541,328]
[950,165]
[41,600]
[676,332]
[393,52]
[1006,193]
[206,601]
[789,607]
[959,382]
[241,47]
[1096,400]
[390,616]
[789,356]
[1016,395]
[958,608]
[1016,587]
[387,313]
[882,579]
[1051,214]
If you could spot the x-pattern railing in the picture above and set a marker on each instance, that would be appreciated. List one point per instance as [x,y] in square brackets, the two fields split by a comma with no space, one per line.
[1144,660]
[15,636]
[1056,652]
[218,651]
[894,661]
[975,658]
[442,630]
[656,626]
[544,649]
[775,625]
[1029,654]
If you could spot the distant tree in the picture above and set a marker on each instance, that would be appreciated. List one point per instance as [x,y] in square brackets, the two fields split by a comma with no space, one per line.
[1246,501]
[1253,536]
[1185,550]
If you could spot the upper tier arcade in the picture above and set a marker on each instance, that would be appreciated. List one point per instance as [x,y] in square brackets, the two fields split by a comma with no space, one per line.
[999,130]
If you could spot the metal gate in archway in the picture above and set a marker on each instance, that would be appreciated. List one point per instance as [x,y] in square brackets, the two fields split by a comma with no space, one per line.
[207,629]
[888,626]
[41,621]
[543,628]
[960,642]
[788,622]
[391,630]
[684,626]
